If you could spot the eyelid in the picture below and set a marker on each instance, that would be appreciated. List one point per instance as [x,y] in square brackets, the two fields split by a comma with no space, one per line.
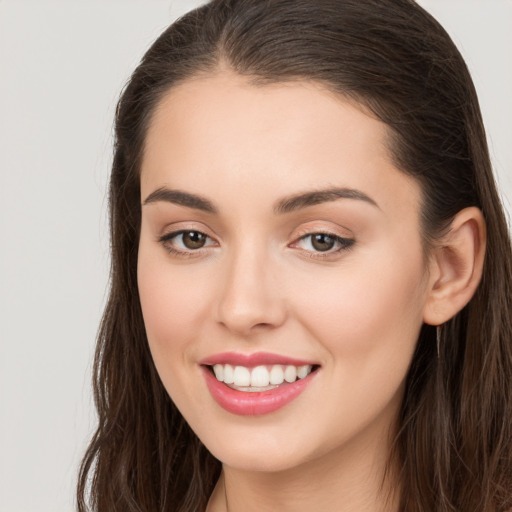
[175,228]
[342,242]
[345,242]
[322,227]
[166,241]
[174,234]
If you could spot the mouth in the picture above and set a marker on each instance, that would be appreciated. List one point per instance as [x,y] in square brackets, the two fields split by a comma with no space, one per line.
[252,385]
[259,378]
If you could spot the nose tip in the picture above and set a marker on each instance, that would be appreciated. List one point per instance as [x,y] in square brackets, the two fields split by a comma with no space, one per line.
[244,322]
[250,300]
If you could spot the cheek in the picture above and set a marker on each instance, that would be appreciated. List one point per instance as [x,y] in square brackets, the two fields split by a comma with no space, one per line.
[367,318]
[368,313]
[172,296]
[167,314]
[173,307]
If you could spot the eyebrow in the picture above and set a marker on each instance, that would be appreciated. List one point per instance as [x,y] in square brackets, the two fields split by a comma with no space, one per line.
[306,199]
[181,198]
[286,205]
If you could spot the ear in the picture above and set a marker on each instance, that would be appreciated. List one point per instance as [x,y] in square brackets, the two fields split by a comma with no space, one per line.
[456,267]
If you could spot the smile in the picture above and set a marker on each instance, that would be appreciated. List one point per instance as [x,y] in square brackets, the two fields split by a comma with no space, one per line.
[254,384]
[260,378]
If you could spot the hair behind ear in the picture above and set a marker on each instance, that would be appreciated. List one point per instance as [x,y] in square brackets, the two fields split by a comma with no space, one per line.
[456,416]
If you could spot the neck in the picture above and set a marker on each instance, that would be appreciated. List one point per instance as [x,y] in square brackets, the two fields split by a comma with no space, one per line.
[350,478]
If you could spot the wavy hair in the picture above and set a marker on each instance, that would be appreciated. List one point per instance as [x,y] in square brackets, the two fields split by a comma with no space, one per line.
[453,444]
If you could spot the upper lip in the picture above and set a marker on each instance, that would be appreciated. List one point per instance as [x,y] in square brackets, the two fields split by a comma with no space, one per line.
[251,360]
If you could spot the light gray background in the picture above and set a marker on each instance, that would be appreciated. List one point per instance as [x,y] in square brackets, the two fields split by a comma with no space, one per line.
[62,65]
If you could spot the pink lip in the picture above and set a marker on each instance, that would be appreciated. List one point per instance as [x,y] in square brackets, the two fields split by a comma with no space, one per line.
[251,360]
[258,402]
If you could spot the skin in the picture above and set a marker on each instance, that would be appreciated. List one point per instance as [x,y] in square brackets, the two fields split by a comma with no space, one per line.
[258,284]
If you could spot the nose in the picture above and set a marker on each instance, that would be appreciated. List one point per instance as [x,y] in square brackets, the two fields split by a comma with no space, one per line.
[250,299]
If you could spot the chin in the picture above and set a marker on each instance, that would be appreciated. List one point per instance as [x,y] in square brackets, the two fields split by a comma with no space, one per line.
[257,461]
[256,453]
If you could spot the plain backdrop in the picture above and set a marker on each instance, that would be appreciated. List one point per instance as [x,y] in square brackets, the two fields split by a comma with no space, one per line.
[62,66]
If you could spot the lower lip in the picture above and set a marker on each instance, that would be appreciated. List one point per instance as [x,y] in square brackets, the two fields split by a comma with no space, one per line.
[254,403]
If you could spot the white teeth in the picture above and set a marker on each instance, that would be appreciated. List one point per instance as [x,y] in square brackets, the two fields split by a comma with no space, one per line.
[228,374]
[276,374]
[242,376]
[259,377]
[303,371]
[218,369]
[290,373]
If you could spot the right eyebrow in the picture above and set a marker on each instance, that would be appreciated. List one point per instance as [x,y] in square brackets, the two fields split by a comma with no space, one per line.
[182,198]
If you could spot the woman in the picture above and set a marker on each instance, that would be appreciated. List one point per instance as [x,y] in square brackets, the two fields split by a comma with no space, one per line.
[311,270]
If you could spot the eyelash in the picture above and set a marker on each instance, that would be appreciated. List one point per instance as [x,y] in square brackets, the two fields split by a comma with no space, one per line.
[344,244]
[192,253]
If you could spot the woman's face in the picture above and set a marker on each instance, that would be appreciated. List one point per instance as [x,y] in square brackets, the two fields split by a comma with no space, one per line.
[276,233]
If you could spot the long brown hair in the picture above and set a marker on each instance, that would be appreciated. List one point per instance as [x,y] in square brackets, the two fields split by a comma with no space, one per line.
[454,439]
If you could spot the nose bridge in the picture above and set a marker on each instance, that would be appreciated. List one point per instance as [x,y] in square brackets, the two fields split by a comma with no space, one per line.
[249,296]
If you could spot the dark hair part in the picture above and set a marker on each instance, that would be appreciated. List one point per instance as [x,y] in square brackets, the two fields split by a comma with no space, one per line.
[453,446]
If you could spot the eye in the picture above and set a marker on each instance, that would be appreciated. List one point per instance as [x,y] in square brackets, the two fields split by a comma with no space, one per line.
[324,243]
[185,241]
[192,239]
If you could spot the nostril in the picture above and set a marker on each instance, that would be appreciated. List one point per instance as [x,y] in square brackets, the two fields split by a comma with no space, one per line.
[262,325]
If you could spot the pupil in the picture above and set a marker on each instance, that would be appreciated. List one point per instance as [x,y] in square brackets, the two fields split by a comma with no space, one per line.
[193,240]
[322,242]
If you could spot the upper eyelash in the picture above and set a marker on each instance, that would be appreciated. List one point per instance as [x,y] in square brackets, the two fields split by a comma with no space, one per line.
[345,243]
[173,234]
[169,236]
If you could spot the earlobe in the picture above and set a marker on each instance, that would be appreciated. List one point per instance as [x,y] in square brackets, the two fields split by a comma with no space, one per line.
[456,267]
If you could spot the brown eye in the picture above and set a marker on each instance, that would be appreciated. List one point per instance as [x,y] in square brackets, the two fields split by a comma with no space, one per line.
[322,242]
[193,239]
[317,243]
[185,242]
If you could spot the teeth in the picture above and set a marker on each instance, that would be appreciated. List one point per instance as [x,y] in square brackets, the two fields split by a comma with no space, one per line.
[303,371]
[218,369]
[276,374]
[260,376]
[290,374]
[242,376]
[228,374]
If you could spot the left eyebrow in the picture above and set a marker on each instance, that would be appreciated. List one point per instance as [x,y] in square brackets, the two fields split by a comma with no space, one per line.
[303,200]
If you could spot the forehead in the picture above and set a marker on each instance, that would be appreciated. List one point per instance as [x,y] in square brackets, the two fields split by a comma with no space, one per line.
[226,104]
[293,136]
